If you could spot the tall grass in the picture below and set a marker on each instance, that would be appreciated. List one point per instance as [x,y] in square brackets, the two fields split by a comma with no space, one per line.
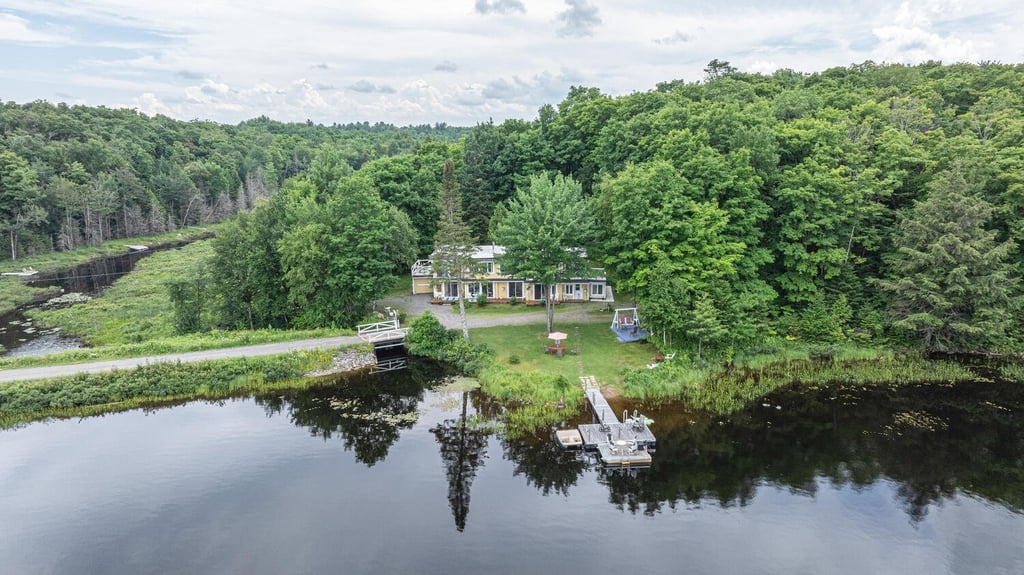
[721,391]
[162,382]
[14,293]
[532,400]
[162,346]
[136,308]
[1013,372]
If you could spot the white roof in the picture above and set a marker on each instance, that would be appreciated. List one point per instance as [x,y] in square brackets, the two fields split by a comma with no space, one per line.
[488,252]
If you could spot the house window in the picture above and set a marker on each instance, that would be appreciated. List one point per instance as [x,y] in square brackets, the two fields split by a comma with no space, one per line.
[538,292]
[489,289]
[515,289]
[473,289]
[597,290]
[489,268]
[451,289]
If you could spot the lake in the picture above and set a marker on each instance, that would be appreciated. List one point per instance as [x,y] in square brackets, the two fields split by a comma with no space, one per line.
[377,474]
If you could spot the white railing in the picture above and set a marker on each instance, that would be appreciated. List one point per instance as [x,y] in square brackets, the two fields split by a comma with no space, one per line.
[379,326]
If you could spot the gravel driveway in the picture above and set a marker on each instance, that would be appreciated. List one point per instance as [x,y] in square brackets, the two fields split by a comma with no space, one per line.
[448,315]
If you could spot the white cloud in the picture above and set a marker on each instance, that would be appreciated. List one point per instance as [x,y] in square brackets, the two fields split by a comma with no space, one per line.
[911,37]
[17,30]
[406,62]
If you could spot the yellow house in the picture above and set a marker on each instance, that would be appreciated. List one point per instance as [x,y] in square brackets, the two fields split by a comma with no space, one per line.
[502,288]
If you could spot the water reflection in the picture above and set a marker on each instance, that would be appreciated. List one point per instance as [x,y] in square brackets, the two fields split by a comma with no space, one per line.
[935,441]
[367,416]
[463,450]
[824,484]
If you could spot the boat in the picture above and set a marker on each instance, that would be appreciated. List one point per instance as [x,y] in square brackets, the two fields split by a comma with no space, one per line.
[569,438]
[25,272]
[137,248]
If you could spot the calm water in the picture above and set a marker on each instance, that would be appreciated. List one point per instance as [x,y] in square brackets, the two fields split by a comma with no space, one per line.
[379,477]
[18,334]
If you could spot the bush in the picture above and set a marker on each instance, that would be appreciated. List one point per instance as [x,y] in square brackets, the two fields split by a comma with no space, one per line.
[427,337]
[481,299]
[513,359]
[512,300]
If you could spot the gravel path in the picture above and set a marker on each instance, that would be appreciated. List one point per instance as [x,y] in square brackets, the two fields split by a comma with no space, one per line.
[412,305]
[8,375]
[448,315]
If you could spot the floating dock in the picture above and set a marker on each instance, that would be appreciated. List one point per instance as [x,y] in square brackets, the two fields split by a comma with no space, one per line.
[619,443]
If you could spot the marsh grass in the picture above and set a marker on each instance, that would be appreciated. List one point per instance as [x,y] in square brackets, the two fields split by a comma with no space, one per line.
[14,293]
[135,318]
[155,384]
[136,308]
[163,346]
[1012,372]
[720,391]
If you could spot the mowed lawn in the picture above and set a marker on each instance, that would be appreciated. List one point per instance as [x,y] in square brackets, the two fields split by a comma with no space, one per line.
[600,353]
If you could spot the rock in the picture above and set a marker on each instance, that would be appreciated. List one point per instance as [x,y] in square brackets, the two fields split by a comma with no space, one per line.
[347,360]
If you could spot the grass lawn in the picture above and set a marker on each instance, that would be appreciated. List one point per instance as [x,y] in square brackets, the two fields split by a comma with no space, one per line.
[601,354]
[403,286]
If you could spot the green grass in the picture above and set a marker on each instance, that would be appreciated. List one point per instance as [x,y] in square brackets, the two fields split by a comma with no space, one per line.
[500,309]
[134,318]
[14,293]
[1013,372]
[601,354]
[136,308]
[402,286]
[720,391]
[169,345]
[90,394]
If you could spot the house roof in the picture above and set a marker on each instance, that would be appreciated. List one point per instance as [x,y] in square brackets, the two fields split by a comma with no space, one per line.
[488,252]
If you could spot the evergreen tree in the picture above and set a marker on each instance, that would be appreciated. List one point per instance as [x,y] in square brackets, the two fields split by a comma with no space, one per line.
[454,245]
[952,283]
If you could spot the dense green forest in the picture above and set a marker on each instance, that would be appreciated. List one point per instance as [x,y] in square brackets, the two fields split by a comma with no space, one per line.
[869,203]
[76,175]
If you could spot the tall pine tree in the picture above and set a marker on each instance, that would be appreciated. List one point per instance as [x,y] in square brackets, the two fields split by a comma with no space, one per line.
[953,284]
[453,243]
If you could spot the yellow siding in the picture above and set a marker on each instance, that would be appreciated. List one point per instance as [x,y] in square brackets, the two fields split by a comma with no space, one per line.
[421,285]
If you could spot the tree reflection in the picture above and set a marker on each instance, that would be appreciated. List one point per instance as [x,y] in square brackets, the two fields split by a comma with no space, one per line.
[933,441]
[463,449]
[366,411]
[545,465]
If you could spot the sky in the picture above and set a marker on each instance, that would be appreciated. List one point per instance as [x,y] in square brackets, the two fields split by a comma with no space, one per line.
[461,62]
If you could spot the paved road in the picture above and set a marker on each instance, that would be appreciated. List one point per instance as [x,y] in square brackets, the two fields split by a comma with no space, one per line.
[413,306]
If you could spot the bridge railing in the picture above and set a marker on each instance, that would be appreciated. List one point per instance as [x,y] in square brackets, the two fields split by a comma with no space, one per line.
[368,328]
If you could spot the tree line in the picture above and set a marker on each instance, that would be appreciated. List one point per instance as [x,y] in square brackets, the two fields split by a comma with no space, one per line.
[75,175]
[866,202]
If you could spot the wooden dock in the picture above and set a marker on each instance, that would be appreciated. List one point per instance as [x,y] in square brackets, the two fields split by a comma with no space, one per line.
[619,443]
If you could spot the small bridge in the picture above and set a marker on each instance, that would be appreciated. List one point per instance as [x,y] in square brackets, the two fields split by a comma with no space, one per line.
[383,334]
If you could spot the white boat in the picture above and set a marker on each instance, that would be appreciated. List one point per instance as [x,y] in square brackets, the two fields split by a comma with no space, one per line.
[138,248]
[25,272]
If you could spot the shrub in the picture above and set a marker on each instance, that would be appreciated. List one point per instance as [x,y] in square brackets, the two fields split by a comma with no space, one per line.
[513,359]
[481,299]
[512,300]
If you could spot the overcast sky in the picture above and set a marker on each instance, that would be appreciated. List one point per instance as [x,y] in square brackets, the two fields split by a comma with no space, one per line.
[455,61]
